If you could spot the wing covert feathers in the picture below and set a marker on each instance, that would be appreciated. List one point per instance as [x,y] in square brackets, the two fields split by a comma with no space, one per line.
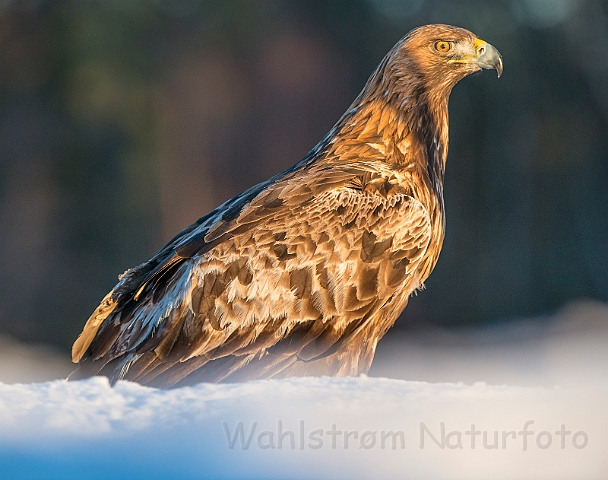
[289,286]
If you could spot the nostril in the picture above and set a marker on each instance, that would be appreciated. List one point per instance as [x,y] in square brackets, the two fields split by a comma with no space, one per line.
[482,50]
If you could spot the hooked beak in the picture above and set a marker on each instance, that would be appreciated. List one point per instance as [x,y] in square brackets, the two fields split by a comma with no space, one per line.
[488,56]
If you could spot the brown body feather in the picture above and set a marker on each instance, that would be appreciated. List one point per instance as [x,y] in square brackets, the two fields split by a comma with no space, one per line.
[303,274]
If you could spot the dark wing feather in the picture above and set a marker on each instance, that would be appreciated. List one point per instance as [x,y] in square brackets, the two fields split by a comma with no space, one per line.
[284,284]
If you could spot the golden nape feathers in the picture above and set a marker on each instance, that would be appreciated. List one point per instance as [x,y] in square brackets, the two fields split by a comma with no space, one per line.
[304,273]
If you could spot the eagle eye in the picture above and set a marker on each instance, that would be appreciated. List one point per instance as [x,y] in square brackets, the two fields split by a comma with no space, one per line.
[442,46]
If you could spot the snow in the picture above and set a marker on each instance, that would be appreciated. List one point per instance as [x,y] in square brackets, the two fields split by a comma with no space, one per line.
[87,429]
[546,383]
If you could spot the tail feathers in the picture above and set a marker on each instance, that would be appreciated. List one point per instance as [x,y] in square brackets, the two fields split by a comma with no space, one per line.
[86,369]
[114,369]
[232,368]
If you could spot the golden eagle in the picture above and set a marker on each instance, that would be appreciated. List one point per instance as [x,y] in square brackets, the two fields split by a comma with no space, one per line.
[305,272]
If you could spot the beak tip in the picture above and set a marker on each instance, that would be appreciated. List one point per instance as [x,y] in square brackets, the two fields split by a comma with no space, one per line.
[499,66]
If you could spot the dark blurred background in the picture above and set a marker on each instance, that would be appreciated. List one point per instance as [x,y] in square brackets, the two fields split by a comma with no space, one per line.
[122,121]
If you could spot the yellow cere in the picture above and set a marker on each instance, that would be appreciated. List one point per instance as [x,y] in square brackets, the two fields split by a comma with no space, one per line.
[479,43]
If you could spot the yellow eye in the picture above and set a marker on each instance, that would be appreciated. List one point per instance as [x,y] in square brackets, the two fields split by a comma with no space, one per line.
[443,46]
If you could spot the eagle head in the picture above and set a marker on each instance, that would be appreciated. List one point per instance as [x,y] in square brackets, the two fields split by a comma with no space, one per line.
[439,56]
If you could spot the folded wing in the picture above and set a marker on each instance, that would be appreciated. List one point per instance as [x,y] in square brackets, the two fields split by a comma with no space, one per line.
[283,284]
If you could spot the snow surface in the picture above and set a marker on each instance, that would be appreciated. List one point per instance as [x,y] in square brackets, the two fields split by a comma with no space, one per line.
[89,430]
